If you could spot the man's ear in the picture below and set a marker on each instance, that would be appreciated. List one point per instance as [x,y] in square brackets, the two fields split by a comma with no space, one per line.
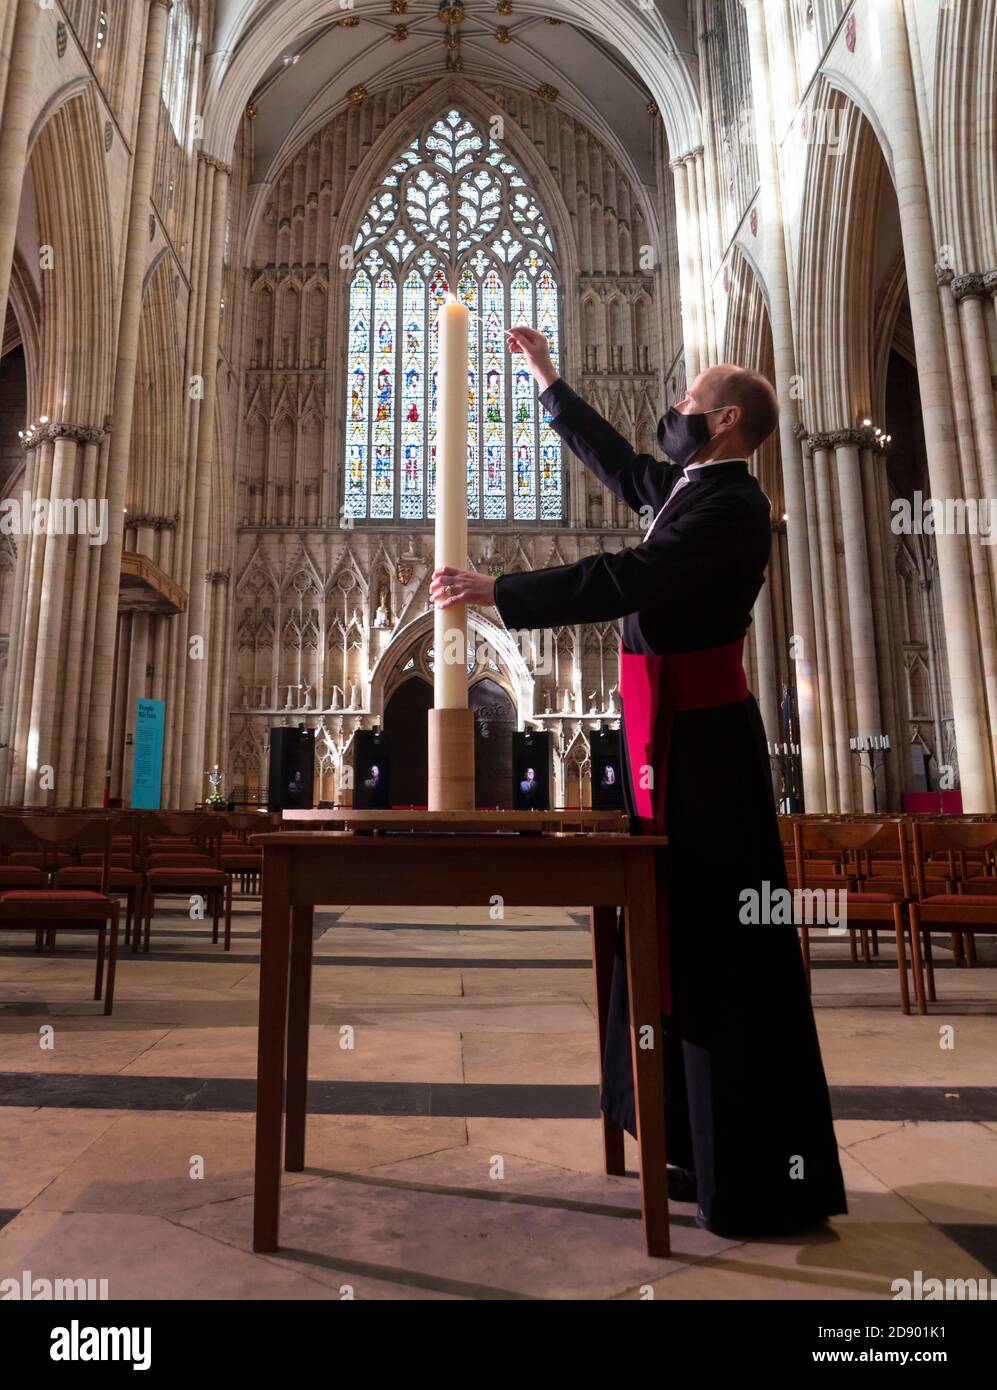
[729,420]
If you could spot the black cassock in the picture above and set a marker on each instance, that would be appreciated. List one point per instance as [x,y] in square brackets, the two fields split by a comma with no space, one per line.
[747,1101]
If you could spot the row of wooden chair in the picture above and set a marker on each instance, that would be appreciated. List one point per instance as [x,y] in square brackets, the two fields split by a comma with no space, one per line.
[64,871]
[922,874]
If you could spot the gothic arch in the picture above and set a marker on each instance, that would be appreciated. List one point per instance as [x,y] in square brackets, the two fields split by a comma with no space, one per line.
[77,298]
[26,309]
[653,45]
[154,482]
[849,180]
[965,114]
[512,673]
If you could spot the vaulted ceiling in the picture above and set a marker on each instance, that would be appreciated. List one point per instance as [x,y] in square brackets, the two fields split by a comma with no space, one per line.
[297,61]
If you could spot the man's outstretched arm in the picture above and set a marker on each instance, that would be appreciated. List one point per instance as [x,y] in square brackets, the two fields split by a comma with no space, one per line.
[637,479]
[693,550]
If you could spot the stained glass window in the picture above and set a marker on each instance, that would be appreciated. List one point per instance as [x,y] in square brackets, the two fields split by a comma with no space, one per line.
[453,211]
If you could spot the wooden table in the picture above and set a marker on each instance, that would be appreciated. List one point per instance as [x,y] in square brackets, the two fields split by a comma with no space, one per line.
[519,822]
[302,870]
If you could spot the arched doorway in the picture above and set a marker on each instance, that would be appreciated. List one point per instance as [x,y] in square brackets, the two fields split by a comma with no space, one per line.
[406,723]
[494,724]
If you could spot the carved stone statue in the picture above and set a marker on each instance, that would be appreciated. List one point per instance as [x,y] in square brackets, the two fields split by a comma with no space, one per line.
[547,708]
[337,697]
[354,694]
[306,699]
[594,702]
[382,618]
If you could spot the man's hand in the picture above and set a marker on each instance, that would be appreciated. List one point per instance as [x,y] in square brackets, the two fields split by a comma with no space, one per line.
[449,586]
[536,350]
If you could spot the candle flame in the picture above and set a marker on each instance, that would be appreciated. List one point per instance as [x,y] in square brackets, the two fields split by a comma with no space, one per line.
[451,298]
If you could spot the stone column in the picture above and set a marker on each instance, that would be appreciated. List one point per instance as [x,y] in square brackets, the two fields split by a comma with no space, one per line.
[821,446]
[825,718]
[687,282]
[969,292]
[78,720]
[982,557]
[861,628]
[709,316]
[973,742]
[10,681]
[15,128]
[696,257]
[217,691]
[34,560]
[178,650]
[133,654]
[799,542]
[882,574]
[767,688]
[192,756]
[136,255]
[47,651]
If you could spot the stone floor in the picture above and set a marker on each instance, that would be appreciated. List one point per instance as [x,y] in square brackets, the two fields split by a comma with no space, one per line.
[454,1149]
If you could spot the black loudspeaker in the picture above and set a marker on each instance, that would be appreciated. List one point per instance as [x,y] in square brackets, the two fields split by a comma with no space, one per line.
[292,770]
[371,770]
[607,771]
[532,758]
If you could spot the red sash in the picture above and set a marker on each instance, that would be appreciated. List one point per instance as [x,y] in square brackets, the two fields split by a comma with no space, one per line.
[653,689]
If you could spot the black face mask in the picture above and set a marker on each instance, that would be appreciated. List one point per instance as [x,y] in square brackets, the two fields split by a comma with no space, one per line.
[682,436]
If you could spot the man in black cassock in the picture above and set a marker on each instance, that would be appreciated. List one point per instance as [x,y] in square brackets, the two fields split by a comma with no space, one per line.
[748,1117]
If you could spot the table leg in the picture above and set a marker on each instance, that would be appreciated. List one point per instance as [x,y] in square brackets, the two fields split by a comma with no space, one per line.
[603,923]
[298,1009]
[274,945]
[648,1061]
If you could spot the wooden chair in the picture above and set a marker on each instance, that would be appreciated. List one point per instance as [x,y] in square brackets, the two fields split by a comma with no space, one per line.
[125,878]
[960,908]
[45,910]
[866,906]
[828,867]
[195,871]
[240,858]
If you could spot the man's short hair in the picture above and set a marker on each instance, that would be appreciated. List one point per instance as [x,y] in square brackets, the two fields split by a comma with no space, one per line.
[759,404]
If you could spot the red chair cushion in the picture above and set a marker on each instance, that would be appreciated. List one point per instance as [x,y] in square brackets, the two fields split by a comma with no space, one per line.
[12,877]
[874,898]
[52,895]
[960,900]
[191,875]
[35,857]
[121,878]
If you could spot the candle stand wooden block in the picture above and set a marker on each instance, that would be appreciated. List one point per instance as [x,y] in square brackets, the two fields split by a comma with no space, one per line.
[451,760]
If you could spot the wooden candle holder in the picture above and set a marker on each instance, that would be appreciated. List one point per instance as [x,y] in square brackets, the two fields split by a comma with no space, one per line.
[451,760]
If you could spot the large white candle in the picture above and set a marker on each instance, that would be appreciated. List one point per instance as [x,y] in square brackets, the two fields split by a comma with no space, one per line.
[451,498]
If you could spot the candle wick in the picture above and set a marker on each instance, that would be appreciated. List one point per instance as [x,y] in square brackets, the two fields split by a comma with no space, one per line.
[451,297]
